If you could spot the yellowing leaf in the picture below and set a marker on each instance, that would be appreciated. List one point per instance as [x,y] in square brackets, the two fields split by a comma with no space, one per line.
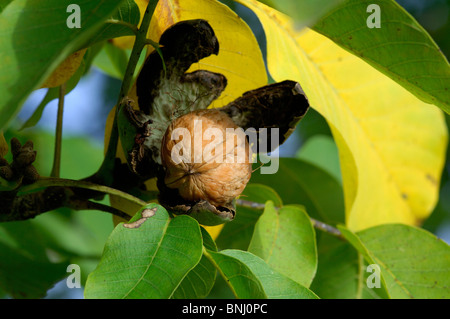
[391,145]
[214,231]
[65,70]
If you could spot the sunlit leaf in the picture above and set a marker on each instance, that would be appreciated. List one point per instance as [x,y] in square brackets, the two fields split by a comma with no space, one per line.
[391,144]
[400,47]
[305,13]
[413,262]
[148,261]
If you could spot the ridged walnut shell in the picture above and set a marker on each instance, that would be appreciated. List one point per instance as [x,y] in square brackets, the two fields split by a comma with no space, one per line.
[202,160]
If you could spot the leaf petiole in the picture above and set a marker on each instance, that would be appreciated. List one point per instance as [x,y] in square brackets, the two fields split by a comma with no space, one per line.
[107,166]
[58,134]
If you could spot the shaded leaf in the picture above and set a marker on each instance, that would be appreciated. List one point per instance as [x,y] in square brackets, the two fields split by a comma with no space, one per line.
[299,182]
[275,285]
[200,280]
[285,239]
[25,270]
[238,233]
[65,70]
[3,145]
[342,272]
[321,151]
[242,281]
[22,277]
[128,12]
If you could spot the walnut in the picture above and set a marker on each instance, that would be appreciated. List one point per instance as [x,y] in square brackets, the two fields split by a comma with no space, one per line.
[206,157]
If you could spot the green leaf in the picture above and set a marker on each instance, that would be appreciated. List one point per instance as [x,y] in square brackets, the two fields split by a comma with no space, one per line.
[242,281]
[321,151]
[337,270]
[76,234]
[22,277]
[238,234]
[391,170]
[304,12]
[275,285]
[119,24]
[299,182]
[3,4]
[118,58]
[400,48]
[342,272]
[200,280]
[25,270]
[285,239]
[413,262]
[33,45]
[149,261]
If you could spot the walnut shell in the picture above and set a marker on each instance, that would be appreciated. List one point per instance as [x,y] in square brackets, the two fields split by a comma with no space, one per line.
[207,157]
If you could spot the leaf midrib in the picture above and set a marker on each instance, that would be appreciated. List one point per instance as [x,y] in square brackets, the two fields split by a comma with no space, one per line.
[158,246]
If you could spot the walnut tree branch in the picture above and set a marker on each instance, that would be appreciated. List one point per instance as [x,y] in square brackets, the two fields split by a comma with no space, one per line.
[316,223]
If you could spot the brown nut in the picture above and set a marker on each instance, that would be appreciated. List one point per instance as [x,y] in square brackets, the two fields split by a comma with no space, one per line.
[206,156]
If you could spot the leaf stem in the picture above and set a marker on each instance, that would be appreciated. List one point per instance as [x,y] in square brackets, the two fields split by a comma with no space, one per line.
[107,166]
[139,44]
[316,223]
[58,133]
[88,205]
[130,26]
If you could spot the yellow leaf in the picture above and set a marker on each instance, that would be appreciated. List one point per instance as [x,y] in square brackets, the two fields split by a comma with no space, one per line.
[214,231]
[239,58]
[65,70]
[391,145]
